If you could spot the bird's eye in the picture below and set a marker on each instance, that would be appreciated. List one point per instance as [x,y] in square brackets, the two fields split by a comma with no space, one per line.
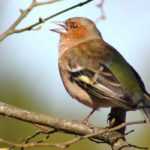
[73,25]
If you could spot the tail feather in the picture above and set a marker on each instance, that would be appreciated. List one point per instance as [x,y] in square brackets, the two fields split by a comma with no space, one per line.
[146,103]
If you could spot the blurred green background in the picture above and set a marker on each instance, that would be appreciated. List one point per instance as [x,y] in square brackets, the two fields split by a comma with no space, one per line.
[29,75]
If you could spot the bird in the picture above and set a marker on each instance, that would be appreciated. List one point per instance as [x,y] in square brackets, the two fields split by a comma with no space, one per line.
[95,73]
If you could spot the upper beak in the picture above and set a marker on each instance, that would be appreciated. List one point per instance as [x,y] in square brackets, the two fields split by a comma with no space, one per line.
[62,28]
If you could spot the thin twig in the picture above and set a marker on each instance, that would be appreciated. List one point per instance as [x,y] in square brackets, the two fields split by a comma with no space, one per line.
[30,145]
[43,130]
[38,133]
[134,146]
[96,141]
[75,140]
[12,29]
[31,137]
[23,14]
[43,20]
[101,6]
[138,147]
[129,132]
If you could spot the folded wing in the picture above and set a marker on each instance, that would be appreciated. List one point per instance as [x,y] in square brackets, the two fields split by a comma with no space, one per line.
[101,85]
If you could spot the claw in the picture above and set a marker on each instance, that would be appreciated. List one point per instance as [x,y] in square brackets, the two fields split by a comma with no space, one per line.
[111,120]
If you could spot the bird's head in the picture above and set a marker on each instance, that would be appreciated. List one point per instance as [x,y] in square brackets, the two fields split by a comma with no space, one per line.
[76,30]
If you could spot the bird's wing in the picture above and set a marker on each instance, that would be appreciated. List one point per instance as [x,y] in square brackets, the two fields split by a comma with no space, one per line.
[101,85]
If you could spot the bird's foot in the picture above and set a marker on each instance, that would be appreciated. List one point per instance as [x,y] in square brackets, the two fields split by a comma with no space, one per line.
[116,117]
[84,122]
[111,120]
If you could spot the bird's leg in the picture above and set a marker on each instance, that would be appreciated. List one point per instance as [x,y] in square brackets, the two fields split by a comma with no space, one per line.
[116,117]
[86,119]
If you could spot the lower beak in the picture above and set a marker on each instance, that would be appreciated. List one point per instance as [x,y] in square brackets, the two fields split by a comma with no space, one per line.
[61,29]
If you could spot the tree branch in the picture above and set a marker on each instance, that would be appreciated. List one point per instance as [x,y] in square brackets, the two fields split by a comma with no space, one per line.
[109,136]
[101,5]
[23,13]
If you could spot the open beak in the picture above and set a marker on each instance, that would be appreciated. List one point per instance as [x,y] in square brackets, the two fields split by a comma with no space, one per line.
[62,28]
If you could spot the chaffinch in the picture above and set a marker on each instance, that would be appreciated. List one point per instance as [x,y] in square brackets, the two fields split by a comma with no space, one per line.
[95,73]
